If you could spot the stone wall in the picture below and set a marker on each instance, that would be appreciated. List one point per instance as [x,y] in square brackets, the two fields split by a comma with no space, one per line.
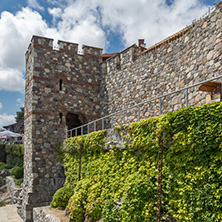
[9,191]
[5,198]
[12,189]
[41,214]
[60,84]
[65,89]
[3,174]
[192,57]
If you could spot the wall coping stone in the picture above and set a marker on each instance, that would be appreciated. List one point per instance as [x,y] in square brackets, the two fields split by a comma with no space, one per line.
[93,47]
[13,189]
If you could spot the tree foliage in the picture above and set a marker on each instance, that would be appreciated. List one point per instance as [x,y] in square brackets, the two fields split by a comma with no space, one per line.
[19,116]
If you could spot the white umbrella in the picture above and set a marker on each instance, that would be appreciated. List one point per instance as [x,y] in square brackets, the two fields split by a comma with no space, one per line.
[8,133]
[3,137]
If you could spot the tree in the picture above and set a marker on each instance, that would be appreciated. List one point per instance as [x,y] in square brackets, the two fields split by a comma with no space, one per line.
[19,116]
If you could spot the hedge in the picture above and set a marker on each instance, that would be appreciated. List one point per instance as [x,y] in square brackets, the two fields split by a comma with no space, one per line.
[124,184]
[14,154]
[2,153]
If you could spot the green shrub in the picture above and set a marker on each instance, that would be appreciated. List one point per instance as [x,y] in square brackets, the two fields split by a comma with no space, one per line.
[14,160]
[14,154]
[61,197]
[59,148]
[19,181]
[6,166]
[1,163]
[17,172]
[15,149]
[78,200]
[2,153]
[2,166]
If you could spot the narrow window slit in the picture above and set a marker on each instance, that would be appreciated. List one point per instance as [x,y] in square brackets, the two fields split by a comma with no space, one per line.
[60,118]
[60,85]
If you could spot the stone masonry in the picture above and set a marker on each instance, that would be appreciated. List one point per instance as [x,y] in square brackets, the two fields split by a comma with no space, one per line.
[192,56]
[62,91]
[65,89]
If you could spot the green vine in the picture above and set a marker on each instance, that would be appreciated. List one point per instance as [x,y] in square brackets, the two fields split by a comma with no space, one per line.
[121,184]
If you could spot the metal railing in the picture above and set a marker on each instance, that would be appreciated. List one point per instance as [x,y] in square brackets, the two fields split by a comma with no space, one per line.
[85,129]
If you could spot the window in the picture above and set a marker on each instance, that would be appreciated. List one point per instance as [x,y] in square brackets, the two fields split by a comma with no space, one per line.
[60,118]
[60,85]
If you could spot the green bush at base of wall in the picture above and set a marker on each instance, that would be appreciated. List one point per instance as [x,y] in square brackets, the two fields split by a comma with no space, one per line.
[5,166]
[62,197]
[19,181]
[17,172]
[121,185]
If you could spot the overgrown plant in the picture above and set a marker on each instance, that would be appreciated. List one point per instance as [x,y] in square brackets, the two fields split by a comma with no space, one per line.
[121,185]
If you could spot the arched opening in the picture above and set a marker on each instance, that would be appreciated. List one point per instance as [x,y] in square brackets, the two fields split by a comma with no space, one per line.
[74,120]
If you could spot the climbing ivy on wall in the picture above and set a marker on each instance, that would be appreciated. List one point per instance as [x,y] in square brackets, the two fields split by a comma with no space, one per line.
[120,184]
[192,163]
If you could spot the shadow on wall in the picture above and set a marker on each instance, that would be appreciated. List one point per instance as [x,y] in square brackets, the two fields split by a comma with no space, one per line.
[74,120]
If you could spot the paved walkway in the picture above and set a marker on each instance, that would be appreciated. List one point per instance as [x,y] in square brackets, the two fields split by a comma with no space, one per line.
[9,214]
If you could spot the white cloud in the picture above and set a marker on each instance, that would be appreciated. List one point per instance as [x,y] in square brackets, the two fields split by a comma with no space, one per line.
[11,80]
[56,13]
[1,105]
[60,3]
[19,102]
[15,35]
[6,119]
[133,19]
[79,22]
[35,5]
[17,30]
[152,20]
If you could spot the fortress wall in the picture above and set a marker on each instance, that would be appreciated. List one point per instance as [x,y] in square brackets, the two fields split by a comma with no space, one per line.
[62,85]
[58,82]
[191,58]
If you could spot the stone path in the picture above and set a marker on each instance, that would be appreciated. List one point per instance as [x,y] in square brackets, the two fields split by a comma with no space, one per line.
[9,214]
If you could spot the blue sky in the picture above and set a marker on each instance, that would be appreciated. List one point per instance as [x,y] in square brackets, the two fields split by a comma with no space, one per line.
[110,24]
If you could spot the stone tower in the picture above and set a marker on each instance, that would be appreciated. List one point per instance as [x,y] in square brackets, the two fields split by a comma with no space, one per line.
[62,92]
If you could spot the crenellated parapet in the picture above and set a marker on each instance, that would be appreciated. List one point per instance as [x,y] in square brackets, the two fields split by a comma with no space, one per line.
[92,51]
[68,47]
[63,46]
[43,42]
[123,59]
